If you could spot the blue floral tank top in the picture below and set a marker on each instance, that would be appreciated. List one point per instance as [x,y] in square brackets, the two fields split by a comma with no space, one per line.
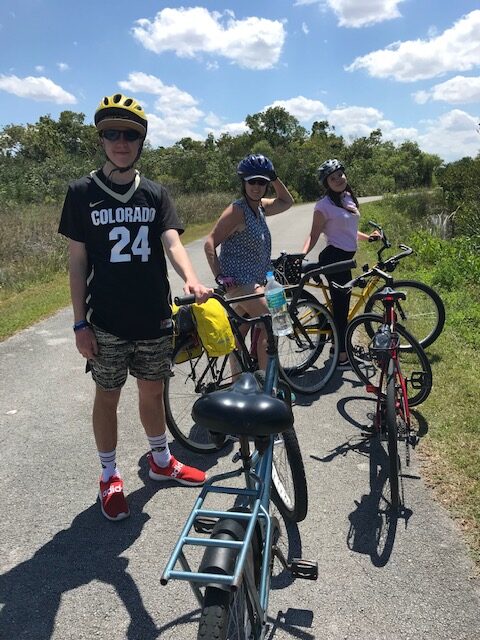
[246,256]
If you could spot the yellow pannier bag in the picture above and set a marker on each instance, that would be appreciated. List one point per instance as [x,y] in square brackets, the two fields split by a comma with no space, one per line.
[213,327]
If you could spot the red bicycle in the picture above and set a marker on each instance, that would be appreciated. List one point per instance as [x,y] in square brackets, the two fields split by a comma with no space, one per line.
[400,378]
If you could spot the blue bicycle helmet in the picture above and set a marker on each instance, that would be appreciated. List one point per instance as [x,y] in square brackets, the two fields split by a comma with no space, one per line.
[328,167]
[256,166]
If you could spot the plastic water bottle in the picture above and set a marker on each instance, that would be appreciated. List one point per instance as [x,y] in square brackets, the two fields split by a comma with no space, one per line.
[277,305]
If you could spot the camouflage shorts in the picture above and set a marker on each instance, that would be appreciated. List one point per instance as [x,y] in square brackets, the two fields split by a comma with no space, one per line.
[143,359]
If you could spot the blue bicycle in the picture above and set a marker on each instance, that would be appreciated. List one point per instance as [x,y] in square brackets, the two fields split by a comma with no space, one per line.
[232,584]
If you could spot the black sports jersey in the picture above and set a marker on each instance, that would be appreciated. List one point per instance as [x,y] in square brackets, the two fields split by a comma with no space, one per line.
[128,288]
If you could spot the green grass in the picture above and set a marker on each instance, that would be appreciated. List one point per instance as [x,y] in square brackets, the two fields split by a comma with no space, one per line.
[20,310]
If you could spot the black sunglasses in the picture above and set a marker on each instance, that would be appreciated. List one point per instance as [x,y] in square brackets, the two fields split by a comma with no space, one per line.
[260,181]
[112,135]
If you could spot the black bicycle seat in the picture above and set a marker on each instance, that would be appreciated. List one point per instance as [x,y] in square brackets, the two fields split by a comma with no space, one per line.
[242,410]
[389,292]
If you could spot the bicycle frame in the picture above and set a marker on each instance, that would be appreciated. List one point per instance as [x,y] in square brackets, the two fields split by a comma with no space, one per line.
[390,319]
[257,472]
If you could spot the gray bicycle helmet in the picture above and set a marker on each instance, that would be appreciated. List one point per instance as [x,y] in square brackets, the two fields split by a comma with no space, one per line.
[328,167]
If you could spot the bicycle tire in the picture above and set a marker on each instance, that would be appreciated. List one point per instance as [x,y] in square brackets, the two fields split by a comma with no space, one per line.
[289,483]
[392,435]
[305,295]
[308,356]
[422,313]
[192,378]
[226,615]
[413,360]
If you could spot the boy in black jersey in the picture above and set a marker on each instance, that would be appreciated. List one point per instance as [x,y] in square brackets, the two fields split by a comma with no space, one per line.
[120,225]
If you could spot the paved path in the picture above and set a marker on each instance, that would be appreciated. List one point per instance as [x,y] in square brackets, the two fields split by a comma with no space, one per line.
[68,574]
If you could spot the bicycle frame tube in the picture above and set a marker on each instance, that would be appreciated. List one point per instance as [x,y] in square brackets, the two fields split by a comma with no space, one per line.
[360,298]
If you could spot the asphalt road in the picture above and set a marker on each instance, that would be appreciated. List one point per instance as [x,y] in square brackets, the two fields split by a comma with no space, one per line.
[67,573]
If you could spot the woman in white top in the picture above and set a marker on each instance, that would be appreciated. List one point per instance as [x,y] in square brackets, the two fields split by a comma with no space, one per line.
[337,215]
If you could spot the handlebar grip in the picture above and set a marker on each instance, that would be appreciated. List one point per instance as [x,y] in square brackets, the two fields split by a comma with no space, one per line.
[180,301]
[336,267]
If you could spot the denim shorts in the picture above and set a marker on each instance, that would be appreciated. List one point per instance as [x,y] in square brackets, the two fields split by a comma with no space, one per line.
[143,359]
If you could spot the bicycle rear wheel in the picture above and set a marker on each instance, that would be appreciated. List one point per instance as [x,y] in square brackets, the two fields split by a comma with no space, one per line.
[422,313]
[289,484]
[191,378]
[308,356]
[226,615]
[392,434]
[413,361]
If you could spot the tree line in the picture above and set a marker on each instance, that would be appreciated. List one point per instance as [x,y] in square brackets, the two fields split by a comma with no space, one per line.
[38,160]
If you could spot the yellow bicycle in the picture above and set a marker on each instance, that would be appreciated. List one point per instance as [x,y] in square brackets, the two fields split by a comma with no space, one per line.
[422,313]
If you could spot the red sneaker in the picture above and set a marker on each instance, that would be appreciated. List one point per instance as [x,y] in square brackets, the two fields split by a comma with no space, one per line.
[112,500]
[176,471]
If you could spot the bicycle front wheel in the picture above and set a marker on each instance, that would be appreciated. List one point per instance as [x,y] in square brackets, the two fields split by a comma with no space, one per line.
[289,483]
[226,615]
[413,361]
[422,313]
[308,356]
[194,373]
[392,434]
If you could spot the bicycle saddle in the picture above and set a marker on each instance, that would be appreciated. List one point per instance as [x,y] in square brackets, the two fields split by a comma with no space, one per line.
[389,292]
[242,410]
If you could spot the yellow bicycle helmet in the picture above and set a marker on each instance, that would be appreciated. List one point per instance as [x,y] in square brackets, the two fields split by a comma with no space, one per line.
[119,109]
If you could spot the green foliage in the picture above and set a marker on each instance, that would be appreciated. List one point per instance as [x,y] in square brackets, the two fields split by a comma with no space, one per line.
[461,186]
[38,160]
[451,266]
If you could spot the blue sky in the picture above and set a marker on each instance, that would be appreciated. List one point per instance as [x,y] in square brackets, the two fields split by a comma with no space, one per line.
[410,67]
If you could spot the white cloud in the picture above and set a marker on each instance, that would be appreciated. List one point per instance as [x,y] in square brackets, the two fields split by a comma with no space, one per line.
[63,66]
[302,108]
[176,112]
[355,122]
[456,49]
[457,90]
[39,68]
[36,88]
[452,136]
[212,120]
[232,128]
[352,13]
[254,43]
[305,28]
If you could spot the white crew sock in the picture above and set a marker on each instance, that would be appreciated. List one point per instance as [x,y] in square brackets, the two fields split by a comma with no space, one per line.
[109,465]
[160,451]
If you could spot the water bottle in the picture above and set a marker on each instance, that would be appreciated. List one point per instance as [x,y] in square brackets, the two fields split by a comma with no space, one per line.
[277,305]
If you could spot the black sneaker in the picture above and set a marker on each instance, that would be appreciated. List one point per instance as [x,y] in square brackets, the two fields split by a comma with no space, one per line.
[344,365]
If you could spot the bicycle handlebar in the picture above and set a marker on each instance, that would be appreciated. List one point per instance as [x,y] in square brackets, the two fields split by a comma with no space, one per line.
[227,304]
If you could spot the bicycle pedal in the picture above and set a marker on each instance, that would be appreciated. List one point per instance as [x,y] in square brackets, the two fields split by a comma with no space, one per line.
[413,440]
[417,379]
[204,524]
[305,569]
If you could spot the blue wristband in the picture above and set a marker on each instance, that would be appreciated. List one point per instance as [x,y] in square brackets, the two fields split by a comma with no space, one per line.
[82,324]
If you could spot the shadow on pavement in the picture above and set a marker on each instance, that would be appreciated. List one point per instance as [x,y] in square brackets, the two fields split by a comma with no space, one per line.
[373,522]
[90,549]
